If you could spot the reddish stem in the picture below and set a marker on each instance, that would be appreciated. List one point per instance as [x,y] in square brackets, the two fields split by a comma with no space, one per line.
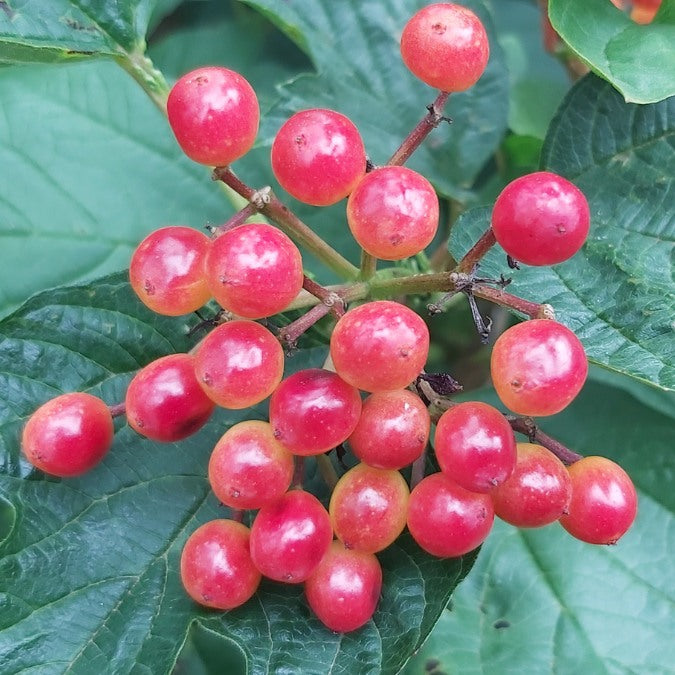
[238,218]
[118,409]
[237,515]
[533,310]
[331,299]
[299,473]
[527,426]
[476,253]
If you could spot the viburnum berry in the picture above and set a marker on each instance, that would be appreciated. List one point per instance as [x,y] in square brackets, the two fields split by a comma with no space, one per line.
[68,435]
[541,219]
[216,567]
[538,367]
[167,270]
[379,346]
[604,501]
[254,270]
[538,491]
[318,156]
[393,212]
[475,446]
[239,363]
[290,537]
[164,400]
[214,115]
[345,588]
[446,46]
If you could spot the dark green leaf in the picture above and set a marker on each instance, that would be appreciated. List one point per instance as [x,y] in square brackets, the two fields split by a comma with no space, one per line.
[89,572]
[618,292]
[539,597]
[637,60]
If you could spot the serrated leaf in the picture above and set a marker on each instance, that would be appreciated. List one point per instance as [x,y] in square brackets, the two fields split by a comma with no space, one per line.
[638,60]
[59,29]
[539,597]
[84,185]
[355,48]
[89,575]
[618,292]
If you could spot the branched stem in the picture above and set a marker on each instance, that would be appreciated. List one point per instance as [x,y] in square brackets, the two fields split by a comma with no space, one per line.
[331,299]
[527,427]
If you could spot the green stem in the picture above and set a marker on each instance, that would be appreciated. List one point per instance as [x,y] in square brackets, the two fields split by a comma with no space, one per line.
[141,68]
[368,266]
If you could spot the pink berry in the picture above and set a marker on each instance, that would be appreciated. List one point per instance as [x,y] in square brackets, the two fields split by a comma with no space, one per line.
[214,115]
[318,156]
[446,46]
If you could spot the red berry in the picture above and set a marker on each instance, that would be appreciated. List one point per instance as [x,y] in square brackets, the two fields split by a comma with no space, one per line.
[318,156]
[214,115]
[290,537]
[538,367]
[446,46]
[393,212]
[541,219]
[604,501]
[345,589]
[475,446]
[392,431]
[380,346]
[249,468]
[445,519]
[164,401]
[538,491]
[216,567]
[167,270]
[68,435]
[368,508]
[239,364]
[313,411]
[254,270]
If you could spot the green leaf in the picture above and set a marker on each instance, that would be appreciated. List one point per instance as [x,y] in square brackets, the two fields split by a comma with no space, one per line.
[61,29]
[85,185]
[539,597]
[618,292]
[637,60]
[115,534]
[355,49]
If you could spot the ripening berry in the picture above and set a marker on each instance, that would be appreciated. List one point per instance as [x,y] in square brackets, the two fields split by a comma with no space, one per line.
[318,156]
[214,115]
[538,367]
[446,46]
[380,346]
[393,212]
[604,501]
[216,567]
[541,219]
[345,588]
[167,270]
[68,435]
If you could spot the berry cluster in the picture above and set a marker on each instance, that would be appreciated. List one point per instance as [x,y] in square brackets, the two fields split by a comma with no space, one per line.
[372,396]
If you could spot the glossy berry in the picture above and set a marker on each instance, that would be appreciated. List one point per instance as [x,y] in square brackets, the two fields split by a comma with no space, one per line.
[216,567]
[167,270]
[446,46]
[164,401]
[318,156]
[475,446]
[380,346]
[537,492]
[344,590]
[249,468]
[290,537]
[313,411]
[541,219]
[214,115]
[604,501]
[239,364]
[445,519]
[392,431]
[254,270]
[68,435]
[393,212]
[538,367]
[368,508]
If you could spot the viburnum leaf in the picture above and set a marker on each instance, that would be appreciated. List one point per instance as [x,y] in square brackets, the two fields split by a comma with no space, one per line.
[89,575]
[617,294]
